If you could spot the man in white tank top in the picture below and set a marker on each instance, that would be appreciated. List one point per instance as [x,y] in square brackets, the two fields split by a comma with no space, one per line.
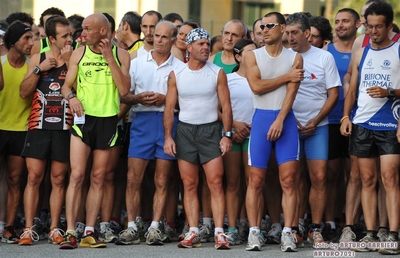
[274,74]
[198,87]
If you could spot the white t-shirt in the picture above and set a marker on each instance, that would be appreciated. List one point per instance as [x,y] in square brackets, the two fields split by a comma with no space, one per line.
[241,98]
[146,75]
[320,75]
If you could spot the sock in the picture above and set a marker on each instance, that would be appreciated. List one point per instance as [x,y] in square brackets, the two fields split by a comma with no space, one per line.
[207,221]
[132,224]
[286,230]
[332,223]
[372,233]
[103,225]
[294,228]
[218,231]
[257,229]
[195,230]
[70,231]
[88,230]
[314,226]
[154,224]
[231,229]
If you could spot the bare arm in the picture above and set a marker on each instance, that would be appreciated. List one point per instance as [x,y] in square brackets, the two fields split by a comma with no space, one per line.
[350,97]
[225,102]
[170,103]
[261,86]
[66,89]
[177,53]
[28,85]
[123,110]
[291,90]
[119,74]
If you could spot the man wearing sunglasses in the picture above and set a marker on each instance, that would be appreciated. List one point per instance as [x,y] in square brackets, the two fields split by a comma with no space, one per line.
[317,96]
[274,74]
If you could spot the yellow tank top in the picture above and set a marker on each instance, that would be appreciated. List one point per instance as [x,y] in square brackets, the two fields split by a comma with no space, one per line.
[14,111]
[95,85]
[135,46]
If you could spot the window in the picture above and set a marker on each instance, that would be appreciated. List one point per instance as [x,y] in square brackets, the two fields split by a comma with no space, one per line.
[194,9]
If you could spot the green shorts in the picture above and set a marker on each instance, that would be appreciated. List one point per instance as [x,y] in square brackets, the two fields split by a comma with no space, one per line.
[243,146]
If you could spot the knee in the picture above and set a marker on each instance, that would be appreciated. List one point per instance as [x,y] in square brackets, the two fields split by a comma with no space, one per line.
[161,181]
[390,180]
[368,181]
[76,179]
[256,181]
[34,178]
[97,179]
[13,180]
[318,178]
[288,182]
[58,180]
[133,181]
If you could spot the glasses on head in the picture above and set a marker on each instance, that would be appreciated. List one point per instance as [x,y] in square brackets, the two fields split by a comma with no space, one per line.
[269,26]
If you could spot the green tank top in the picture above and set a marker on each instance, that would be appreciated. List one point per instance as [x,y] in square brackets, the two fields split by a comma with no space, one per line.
[96,88]
[226,67]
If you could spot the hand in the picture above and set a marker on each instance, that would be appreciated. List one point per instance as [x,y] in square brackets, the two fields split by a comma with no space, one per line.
[160,99]
[47,64]
[170,147]
[147,98]
[76,107]
[346,127]
[377,92]
[242,129]
[309,128]
[225,145]
[105,48]
[237,138]
[66,53]
[275,130]
[295,74]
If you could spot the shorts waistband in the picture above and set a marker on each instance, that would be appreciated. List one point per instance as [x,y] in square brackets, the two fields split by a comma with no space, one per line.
[200,125]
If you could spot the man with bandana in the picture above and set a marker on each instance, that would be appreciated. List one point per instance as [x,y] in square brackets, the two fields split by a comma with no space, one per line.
[14,113]
[199,86]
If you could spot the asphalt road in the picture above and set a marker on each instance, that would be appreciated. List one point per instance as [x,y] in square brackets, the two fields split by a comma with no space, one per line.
[43,249]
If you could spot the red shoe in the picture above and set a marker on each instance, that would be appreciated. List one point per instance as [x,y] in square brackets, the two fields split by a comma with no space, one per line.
[56,236]
[28,236]
[190,240]
[220,242]
[69,242]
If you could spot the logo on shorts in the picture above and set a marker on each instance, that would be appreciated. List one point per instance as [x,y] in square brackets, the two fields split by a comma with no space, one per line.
[396,109]
[52,119]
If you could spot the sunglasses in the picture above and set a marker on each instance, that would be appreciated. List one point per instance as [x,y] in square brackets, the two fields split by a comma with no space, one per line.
[270,26]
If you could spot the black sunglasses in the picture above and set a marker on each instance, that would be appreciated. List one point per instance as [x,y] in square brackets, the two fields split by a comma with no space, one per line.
[270,26]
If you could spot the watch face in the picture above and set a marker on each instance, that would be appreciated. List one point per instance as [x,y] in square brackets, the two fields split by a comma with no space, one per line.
[36,70]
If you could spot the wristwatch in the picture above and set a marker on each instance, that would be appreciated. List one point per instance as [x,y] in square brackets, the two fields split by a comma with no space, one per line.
[71,96]
[228,134]
[36,70]
[391,92]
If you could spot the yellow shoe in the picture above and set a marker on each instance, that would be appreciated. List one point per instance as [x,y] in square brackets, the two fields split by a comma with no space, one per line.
[91,241]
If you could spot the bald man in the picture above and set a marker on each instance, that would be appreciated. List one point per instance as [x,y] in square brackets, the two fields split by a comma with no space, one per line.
[102,74]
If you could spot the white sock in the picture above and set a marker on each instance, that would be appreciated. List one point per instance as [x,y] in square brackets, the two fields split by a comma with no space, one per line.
[207,221]
[154,224]
[332,223]
[218,230]
[132,224]
[195,230]
[257,229]
[88,229]
[286,230]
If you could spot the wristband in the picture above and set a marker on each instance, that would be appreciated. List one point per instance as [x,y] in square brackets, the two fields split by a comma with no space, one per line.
[343,118]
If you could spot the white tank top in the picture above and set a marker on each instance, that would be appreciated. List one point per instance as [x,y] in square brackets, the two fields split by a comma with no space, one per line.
[272,67]
[197,94]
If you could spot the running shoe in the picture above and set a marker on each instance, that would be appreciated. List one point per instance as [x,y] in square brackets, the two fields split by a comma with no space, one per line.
[274,235]
[233,237]
[107,234]
[90,240]
[366,247]
[347,235]
[128,236]
[205,233]
[185,230]
[56,236]
[28,236]
[153,236]
[243,230]
[69,241]
[396,246]
[299,239]
[9,235]
[253,242]
[288,242]
[190,240]
[315,236]
[220,242]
